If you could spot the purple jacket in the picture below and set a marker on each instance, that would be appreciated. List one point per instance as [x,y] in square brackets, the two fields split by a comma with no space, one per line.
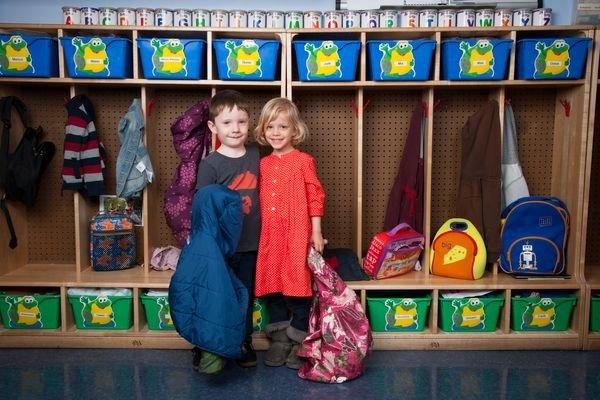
[192,142]
[405,203]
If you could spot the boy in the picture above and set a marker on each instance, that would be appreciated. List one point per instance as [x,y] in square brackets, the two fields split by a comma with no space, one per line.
[235,165]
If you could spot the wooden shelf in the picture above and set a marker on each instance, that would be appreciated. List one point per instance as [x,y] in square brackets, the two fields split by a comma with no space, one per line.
[137,82]
[476,341]
[438,84]
[56,275]
[593,341]
[420,280]
[592,276]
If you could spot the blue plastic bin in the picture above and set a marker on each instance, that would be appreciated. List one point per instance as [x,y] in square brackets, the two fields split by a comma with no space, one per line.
[172,58]
[399,60]
[475,59]
[326,60]
[552,58]
[28,55]
[246,59]
[97,57]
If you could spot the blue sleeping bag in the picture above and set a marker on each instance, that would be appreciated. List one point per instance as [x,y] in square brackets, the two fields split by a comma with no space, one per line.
[208,302]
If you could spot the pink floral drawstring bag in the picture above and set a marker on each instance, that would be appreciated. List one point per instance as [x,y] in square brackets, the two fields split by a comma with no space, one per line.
[339,336]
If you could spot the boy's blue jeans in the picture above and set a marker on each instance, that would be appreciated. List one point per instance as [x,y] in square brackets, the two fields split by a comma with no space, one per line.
[243,265]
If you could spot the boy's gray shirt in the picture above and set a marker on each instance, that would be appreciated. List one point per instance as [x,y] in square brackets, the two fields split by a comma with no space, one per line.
[240,174]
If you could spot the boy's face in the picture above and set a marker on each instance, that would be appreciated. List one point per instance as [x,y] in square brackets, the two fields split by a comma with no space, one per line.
[231,127]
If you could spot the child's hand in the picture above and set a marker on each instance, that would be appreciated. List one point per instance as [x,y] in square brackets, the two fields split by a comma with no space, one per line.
[318,241]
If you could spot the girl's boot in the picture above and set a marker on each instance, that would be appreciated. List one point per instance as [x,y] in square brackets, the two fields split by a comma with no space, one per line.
[297,337]
[280,344]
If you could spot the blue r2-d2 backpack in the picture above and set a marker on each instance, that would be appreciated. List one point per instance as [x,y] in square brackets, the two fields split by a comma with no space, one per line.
[534,236]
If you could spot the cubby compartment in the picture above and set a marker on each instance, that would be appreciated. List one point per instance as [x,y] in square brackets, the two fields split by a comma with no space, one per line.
[543,310]
[28,54]
[45,232]
[96,56]
[320,57]
[104,308]
[157,309]
[386,123]
[256,56]
[167,106]
[110,107]
[398,311]
[595,312]
[454,107]
[30,308]
[549,128]
[470,312]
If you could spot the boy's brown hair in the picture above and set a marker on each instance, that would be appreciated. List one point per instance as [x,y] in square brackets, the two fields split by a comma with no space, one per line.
[226,99]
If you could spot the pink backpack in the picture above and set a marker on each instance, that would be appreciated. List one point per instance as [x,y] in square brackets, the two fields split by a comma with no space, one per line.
[339,336]
[192,142]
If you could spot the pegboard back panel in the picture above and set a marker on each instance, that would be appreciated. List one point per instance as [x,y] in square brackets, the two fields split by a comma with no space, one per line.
[170,104]
[51,222]
[385,128]
[455,107]
[534,118]
[592,251]
[110,106]
[331,123]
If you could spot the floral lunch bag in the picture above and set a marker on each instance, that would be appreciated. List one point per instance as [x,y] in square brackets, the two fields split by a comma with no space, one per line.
[112,242]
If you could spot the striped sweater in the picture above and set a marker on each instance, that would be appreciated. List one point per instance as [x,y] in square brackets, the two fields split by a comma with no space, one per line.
[83,165]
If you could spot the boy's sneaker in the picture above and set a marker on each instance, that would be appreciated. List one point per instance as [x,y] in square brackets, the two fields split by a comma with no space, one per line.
[248,356]
[197,357]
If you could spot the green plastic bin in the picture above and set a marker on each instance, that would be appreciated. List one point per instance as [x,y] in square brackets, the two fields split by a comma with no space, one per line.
[101,312]
[595,313]
[260,315]
[30,311]
[158,312]
[398,314]
[548,312]
[471,314]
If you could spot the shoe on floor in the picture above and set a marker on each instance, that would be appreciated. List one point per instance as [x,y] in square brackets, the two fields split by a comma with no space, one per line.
[248,356]
[211,363]
[197,355]
[278,350]
[293,361]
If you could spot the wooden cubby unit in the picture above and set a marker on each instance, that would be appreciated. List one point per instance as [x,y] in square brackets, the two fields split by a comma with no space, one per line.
[358,130]
[590,244]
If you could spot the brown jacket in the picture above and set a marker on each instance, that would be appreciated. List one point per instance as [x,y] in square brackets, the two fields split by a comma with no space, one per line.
[479,197]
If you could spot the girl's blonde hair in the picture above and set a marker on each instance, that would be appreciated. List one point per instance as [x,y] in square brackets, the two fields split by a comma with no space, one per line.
[270,112]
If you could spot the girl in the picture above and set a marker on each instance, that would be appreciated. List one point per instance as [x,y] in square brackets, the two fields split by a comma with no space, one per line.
[291,205]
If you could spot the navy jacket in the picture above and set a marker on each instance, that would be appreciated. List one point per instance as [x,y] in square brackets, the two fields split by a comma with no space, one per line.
[208,303]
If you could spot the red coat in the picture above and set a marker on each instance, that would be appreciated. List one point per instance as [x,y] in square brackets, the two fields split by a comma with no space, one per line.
[290,193]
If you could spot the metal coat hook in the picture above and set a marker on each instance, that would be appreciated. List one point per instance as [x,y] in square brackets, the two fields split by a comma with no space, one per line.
[149,107]
[567,106]
[426,106]
[355,106]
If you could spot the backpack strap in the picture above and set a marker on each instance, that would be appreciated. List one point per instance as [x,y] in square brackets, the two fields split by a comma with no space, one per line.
[6,105]
[13,236]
